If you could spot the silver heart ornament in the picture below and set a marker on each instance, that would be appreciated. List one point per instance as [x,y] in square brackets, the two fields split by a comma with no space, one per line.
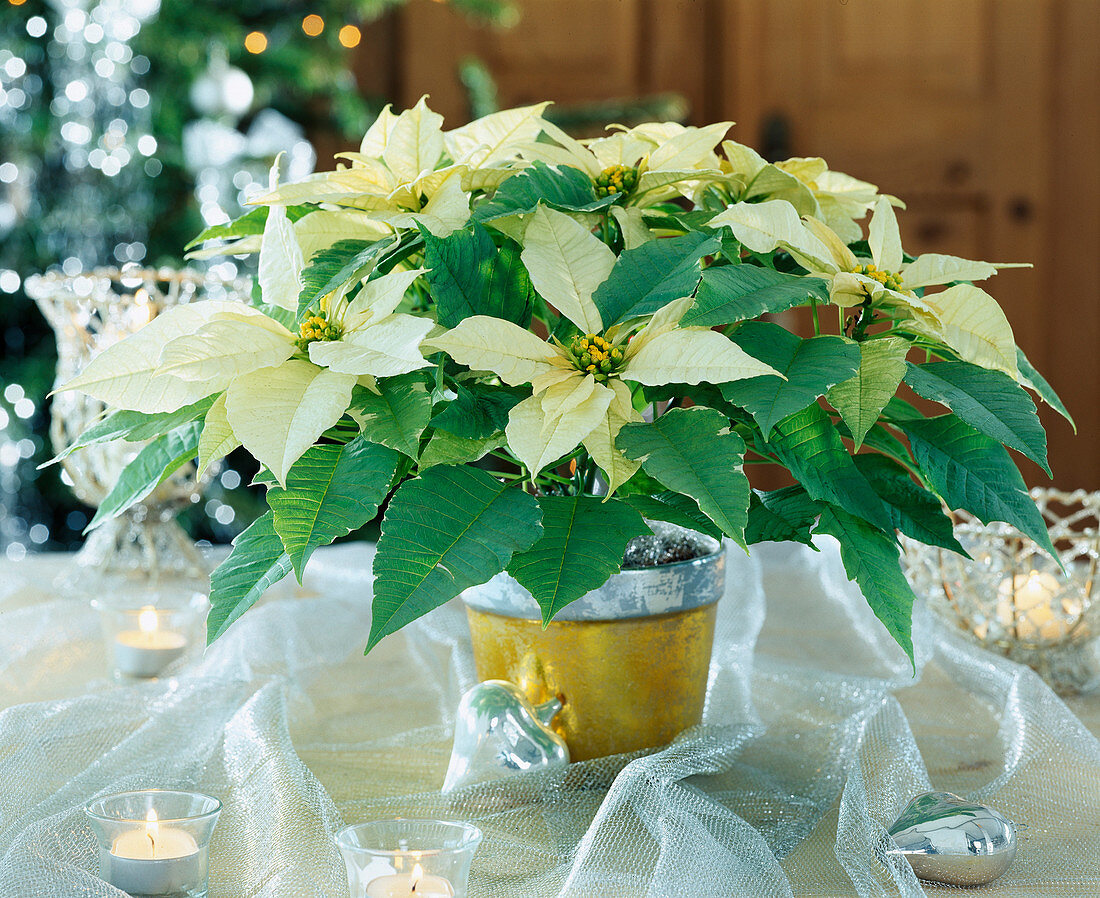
[498,733]
[948,839]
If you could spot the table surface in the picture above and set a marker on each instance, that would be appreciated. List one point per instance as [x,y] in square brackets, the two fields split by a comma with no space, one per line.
[816,734]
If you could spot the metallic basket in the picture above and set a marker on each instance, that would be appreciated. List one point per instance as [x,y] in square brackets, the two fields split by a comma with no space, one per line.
[1012,598]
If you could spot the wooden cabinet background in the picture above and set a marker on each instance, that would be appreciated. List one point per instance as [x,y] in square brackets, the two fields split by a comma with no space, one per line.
[984,115]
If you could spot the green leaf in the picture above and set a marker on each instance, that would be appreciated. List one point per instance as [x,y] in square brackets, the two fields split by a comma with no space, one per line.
[913,510]
[478,412]
[989,401]
[973,471]
[582,544]
[445,448]
[330,491]
[1038,383]
[861,399]
[871,559]
[782,515]
[248,225]
[811,449]
[692,451]
[672,508]
[155,463]
[446,530]
[562,187]
[335,265]
[469,276]
[811,367]
[135,427]
[395,416]
[730,293]
[257,561]
[652,275]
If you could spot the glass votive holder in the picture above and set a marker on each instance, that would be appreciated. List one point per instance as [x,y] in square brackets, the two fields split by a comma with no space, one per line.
[408,858]
[152,633]
[155,842]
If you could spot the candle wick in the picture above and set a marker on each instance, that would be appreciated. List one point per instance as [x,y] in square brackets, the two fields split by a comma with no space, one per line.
[152,844]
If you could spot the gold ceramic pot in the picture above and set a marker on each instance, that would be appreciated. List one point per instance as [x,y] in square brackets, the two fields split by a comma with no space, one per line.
[629,661]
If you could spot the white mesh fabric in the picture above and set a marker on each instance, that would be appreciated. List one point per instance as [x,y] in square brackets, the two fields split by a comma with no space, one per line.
[811,745]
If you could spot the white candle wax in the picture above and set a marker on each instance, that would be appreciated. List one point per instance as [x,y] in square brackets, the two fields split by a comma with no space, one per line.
[153,860]
[1024,607]
[145,652]
[410,885]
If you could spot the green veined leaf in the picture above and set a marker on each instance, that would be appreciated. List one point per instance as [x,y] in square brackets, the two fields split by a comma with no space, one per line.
[155,463]
[478,412]
[470,276]
[810,447]
[730,293]
[446,448]
[562,187]
[1033,379]
[257,562]
[783,515]
[913,510]
[652,275]
[861,399]
[582,544]
[811,367]
[135,427]
[973,471]
[335,265]
[989,401]
[672,508]
[397,415]
[330,491]
[446,530]
[692,451]
[871,559]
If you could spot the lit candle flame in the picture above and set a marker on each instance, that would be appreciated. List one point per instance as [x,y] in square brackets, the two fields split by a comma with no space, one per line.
[417,875]
[147,623]
[152,829]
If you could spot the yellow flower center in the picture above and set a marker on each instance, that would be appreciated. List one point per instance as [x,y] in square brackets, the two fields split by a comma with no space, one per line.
[317,328]
[891,280]
[594,354]
[616,179]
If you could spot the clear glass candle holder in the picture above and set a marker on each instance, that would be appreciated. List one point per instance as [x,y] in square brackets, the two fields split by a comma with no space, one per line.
[406,858]
[155,842]
[152,633]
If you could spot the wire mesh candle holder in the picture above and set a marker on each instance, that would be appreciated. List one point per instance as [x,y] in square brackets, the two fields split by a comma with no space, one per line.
[90,312]
[1011,597]
[408,858]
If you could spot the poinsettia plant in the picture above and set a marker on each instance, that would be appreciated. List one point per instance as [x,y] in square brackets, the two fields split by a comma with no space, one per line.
[525,346]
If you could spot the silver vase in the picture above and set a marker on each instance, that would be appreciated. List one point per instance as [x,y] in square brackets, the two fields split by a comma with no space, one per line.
[89,312]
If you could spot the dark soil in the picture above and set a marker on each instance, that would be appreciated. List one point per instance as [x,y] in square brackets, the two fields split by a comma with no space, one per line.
[650,551]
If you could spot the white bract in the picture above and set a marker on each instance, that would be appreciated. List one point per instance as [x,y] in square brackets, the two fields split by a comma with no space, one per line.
[281,390]
[964,317]
[580,390]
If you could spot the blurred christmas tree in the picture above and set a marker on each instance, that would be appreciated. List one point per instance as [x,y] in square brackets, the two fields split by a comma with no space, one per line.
[125,127]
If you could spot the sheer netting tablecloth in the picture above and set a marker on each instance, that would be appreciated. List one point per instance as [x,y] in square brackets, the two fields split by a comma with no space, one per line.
[815,736]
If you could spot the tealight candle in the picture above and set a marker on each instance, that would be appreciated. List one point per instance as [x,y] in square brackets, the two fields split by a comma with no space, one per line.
[155,843]
[417,884]
[1025,607]
[403,858]
[148,650]
[154,861]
